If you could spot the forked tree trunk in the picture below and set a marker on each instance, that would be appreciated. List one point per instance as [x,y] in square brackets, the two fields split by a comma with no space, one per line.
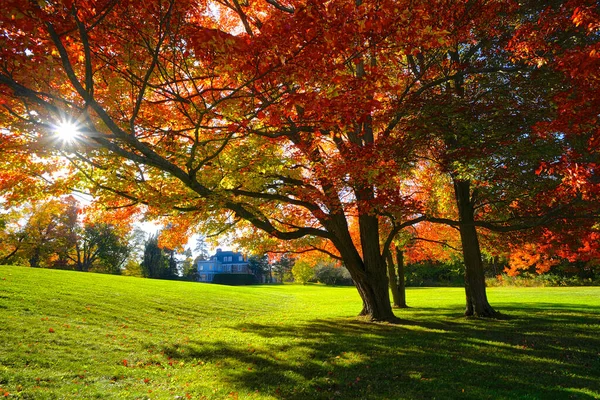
[368,272]
[477,303]
[375,296]
[373,283]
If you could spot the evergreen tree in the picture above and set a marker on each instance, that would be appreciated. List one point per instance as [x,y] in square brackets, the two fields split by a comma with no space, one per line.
[260,267]
[201,248]
[155,264]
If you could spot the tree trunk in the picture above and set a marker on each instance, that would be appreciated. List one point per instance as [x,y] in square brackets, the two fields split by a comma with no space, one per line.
[476,297]
[34,259]
[373,289]
[373,284]
[368,271]
[396,281]
[393,282]
[371,281]
[401,280]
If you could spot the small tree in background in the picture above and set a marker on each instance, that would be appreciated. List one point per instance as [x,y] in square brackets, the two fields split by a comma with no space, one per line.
[154,263]
[260,267]
[189,268]
[201,248]
[330,274]
[99,247]
[283,268]
[302,272]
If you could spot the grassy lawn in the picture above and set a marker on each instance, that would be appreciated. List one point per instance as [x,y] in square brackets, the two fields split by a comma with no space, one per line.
[76,335]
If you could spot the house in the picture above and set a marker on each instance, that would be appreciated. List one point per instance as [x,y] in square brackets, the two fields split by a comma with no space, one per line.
[223,262]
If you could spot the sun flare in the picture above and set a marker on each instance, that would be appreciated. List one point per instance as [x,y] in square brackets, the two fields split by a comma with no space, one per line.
[67,131]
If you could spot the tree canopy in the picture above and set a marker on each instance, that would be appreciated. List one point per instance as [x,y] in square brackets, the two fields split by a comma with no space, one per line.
[302,119]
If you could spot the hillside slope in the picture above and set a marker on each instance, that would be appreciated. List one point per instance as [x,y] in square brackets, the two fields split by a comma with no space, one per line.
[81,335]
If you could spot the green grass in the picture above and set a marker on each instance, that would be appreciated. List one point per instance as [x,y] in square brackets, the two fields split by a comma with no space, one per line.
[130,338]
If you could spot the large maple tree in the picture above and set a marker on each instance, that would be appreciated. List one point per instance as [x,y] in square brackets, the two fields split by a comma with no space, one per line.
[495,132]
[564,39]
[292,117]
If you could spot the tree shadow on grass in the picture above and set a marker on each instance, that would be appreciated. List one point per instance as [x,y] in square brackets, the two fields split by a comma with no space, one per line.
[535,355]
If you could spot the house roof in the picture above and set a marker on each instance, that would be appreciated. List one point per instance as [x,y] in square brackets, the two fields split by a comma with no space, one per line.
[220,256]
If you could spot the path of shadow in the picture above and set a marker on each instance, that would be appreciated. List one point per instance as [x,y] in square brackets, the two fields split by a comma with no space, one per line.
[539,355]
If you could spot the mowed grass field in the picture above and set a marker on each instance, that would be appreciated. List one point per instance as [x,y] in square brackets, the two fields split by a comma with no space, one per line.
[75,335]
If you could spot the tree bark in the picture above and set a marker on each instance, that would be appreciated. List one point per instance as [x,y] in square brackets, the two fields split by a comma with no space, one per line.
[34,259]
[476,297]
[393,282]
[371,281]
[373,289]
[368,271]
[396,281]
[401,280]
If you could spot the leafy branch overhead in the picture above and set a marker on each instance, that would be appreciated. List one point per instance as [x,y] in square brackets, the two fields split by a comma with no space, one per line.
[309,120]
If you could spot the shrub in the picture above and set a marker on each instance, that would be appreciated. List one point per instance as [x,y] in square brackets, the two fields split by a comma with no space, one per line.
[331,275]
[303,272]
[431,273]
[543,280]
[235,279]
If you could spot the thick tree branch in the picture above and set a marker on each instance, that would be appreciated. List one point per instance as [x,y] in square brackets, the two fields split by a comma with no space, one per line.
[396,229]
[277,197]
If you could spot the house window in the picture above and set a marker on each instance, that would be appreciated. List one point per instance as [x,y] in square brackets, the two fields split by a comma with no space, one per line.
[240,258]
[201,268]
[202,277]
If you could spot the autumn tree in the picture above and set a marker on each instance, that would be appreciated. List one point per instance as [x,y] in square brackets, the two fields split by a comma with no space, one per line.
[101,247]
[53,234]
[12,237]
[485,135]
[291,117]
[566,41]
[193,109]
[40,234]
[302,271]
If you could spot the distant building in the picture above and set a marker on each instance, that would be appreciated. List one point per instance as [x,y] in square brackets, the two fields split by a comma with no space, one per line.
[223,262]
